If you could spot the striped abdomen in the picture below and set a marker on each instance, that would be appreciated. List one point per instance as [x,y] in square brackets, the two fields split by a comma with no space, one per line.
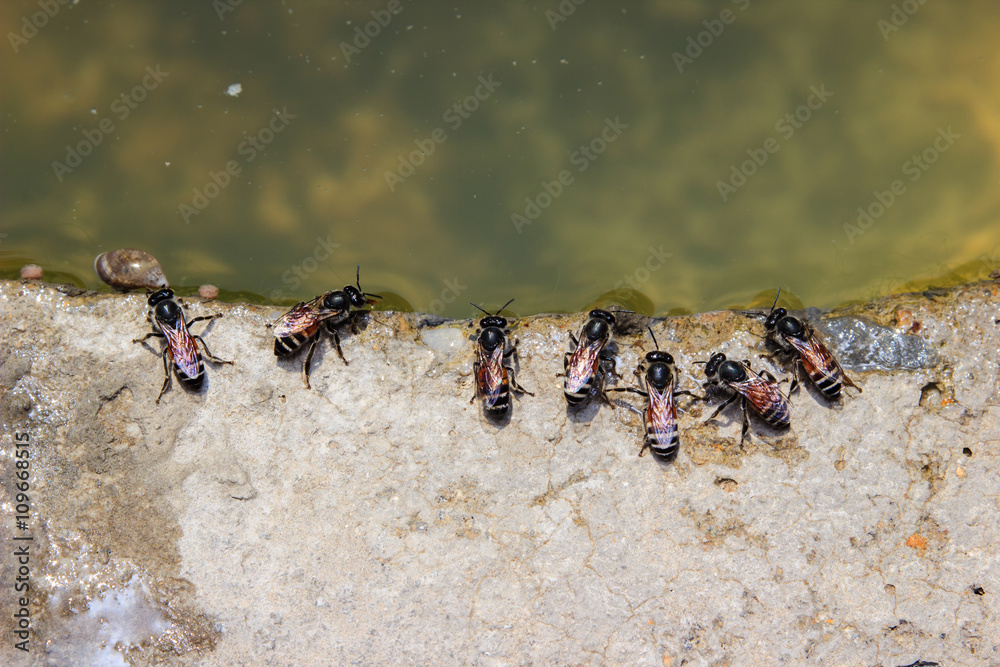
[287,345]
[580,366]
[766,400]
[576,392]
[660,419]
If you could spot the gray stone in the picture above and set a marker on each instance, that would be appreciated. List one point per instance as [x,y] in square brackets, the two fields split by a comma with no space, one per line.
[381,519]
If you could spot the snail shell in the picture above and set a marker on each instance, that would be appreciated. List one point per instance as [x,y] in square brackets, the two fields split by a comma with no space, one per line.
[129,268]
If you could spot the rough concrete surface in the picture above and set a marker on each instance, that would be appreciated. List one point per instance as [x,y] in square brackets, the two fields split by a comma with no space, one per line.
[381,519]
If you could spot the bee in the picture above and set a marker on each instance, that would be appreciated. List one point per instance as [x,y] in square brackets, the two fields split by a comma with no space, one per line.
[306,319]
[589,358]
[658,383]
[758,390]
[494,379]
[167,318]
[795,337]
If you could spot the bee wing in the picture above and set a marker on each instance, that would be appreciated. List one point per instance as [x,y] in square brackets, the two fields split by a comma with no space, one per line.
[817,360]
[492,374]
[582,364]
[300,318]
[765,397]
[662,411]
[182,348]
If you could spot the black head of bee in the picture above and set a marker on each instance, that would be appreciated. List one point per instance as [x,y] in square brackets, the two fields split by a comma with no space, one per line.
[338,300]
[160,295]
[492,335]
[713,363]
[774,317]
[599,325]
[493,328]
[356,296]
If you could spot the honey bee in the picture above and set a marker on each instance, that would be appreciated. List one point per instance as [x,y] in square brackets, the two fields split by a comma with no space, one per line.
[494,379]
[658,381]
[589,359]
[167,318]
[758,390]
[305,321]
[795,337]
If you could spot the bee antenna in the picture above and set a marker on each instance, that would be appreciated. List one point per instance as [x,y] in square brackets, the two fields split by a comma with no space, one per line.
[357,277]
[480,307]
[699,362]
[775,300]
[653,337]
[504,306]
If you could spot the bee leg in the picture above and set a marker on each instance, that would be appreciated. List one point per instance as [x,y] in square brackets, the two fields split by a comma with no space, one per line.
[336,343]
[746,423]
[208,354]
[309,356]
[475,382]
[723,407]
[166,373]
[573,340]
[204,317]
[645,446]
[631,389]
[684,392]
[624,404]
[515,386]
[147,337]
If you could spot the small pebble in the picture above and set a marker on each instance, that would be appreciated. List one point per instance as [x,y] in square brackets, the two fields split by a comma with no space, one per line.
[208,292]
[31,272]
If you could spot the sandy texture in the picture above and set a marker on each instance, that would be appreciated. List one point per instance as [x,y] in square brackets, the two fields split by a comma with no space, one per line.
[381,519]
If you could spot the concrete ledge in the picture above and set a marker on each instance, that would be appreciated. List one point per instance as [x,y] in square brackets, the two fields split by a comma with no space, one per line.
[381,519]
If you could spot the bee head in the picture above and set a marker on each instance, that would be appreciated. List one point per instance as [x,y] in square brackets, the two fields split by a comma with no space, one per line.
[355,295]
[156,297]
[492,335]
[774,317]
[660,357]
[712,366]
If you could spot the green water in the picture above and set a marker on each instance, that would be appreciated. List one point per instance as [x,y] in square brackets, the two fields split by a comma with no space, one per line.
[612,118]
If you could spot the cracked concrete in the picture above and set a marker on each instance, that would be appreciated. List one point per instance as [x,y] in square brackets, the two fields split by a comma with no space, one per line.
[380,518]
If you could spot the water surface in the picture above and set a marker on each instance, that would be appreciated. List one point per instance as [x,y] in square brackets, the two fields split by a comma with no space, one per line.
[698,152]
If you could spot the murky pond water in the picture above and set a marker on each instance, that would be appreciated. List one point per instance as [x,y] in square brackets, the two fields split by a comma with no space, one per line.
[697,152]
